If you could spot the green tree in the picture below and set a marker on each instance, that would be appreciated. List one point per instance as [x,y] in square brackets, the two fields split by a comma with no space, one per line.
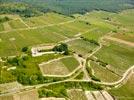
[24,49]
[61,48]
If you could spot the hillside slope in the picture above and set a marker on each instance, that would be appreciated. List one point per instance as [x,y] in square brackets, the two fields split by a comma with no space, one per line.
[78,6]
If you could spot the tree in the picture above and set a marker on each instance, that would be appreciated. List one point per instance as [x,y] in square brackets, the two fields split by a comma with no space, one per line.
[66,52]
[24,49]
[4,19]
[61,48]
[13,61]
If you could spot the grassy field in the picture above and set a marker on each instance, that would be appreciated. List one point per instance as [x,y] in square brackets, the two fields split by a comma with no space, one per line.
[8,86]
[12,42]
[6,76]
[98,18]
[63,31]
[15,24]
[78,26]
[70,29]
[1,27]
[61,67]
[75,94]
[119,57]
[32,63]
[97,33]
[47,19]
[125,19]
[7,27]
[81,47]
[124,92]
[54,68]
[30,69]
[71,63]
[100,23]
[105,22]
[125,36]
[11,16]
[75,28]
[103,74]
[54,28]
[92,26]
[97,21]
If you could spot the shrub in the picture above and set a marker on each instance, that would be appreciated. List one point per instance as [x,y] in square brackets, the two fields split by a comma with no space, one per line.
[91,41]
[95,78]
[13,61]
[66,52]
[24,49]
[61,48]
[2,20]
[25,58]
[80,55]
[115,31]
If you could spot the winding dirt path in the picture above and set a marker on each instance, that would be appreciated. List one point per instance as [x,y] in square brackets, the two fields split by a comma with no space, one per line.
[125,77]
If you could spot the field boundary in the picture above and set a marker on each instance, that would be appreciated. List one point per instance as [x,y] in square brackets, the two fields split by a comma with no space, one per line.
[32,28]
[120,41]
